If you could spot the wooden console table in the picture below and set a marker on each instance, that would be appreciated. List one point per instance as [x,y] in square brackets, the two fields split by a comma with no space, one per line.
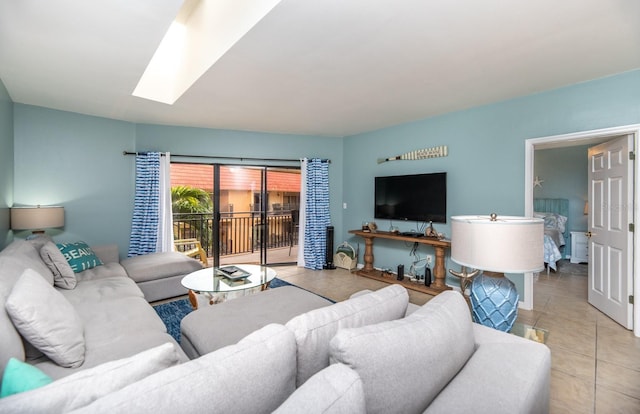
[439,272]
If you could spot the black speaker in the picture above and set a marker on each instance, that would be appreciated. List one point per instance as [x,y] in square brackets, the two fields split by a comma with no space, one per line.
[328,253]
[400,272]
[427,276]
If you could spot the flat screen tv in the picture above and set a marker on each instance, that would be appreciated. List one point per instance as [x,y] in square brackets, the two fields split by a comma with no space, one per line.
[418,197]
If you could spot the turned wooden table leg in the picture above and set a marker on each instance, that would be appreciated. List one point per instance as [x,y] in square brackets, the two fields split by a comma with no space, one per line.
[439,272]
[368,254]
[193,299]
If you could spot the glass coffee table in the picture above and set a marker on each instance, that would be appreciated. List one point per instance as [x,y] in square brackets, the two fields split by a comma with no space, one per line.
[536,334]
[216,284]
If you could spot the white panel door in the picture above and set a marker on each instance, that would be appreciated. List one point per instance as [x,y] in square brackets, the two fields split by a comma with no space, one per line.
[611,241]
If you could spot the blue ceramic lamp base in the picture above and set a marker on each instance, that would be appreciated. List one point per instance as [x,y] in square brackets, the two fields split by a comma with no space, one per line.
[494,301]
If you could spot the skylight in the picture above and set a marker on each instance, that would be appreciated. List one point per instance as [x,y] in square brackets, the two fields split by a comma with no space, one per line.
[203,31]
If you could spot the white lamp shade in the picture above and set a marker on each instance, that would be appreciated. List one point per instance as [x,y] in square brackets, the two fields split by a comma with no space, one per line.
[507,245]
[37,218]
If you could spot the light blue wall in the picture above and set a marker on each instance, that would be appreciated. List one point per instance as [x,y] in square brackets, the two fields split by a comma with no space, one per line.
[485,165]
[6,164]
[76,161]
[564,171]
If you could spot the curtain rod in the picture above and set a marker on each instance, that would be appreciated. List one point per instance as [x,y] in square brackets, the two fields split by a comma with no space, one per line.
[223,158]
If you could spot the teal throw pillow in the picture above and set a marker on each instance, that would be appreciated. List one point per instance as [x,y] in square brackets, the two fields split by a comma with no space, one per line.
[20,377]
[79,256]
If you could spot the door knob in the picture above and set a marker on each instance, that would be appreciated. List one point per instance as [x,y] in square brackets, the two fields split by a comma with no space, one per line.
[588,234]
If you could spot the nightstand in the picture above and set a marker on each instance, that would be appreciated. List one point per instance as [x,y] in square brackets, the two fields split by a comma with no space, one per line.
[579,247]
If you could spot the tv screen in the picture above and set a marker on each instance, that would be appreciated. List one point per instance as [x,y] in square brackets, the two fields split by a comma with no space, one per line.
[418,197]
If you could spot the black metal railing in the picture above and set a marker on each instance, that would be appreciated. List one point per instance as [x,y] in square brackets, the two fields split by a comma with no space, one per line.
[240,232]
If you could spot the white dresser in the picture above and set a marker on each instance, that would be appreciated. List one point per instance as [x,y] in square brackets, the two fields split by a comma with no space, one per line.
[579,247]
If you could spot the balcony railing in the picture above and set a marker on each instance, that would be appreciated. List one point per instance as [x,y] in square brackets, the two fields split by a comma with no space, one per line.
[240,232]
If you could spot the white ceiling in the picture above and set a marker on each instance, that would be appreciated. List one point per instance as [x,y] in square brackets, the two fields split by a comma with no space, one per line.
[318,67]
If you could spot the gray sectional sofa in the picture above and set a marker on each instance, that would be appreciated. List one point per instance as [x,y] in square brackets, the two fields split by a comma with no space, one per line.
[105,312]
[358,356]
[373,353]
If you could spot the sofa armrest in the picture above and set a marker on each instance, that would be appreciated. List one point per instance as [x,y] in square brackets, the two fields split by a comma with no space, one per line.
[107,253]
[485,335]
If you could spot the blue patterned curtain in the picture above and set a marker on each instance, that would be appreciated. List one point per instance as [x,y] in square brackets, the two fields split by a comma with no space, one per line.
[317,216]
[144,225]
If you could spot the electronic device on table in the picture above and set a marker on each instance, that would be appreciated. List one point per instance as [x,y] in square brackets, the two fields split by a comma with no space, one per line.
[411,234]
[233,272]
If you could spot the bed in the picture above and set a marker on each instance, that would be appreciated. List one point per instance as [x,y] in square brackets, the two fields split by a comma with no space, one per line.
[555,213]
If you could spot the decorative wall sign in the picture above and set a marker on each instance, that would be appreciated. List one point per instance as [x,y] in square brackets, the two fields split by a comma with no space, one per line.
[421,154]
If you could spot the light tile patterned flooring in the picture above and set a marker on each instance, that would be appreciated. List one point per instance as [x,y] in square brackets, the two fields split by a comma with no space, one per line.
[595,362]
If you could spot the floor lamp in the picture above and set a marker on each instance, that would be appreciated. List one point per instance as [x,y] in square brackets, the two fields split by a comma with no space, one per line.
[497,245]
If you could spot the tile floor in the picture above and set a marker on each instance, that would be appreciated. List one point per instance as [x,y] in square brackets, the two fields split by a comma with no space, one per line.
[595,362]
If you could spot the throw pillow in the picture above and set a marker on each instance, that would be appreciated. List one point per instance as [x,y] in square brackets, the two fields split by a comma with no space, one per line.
[85,386]
[46,319]
[335,389]
[63,275]
[38,240]
[19,377]
[314,329]
[79,256]
[405,363]
[255,375]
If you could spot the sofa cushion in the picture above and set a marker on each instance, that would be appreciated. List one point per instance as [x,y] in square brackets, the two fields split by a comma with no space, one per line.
[88,385]
[108,253]
[160,265]
[46,319]
[14,260]
[102,288]
[20,377]
[255,375]
[79,256]
[11,343]
[405,363]
[213,327]
[28,258]
[63,275]
[314,329]
[118,318]
[121,346]
[335,389]
[504,377]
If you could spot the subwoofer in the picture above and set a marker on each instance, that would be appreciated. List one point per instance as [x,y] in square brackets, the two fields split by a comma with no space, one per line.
[328,253]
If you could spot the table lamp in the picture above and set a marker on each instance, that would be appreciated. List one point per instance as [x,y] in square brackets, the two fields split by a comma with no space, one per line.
[497,245]
[37,218]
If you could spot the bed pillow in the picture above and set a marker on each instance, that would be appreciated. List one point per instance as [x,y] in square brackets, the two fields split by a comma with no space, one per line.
[552,220]
[79,256]
[555,221]
[562,221]
[63,275]
[46,319]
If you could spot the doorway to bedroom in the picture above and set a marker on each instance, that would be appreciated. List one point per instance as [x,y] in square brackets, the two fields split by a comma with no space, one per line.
[550,172]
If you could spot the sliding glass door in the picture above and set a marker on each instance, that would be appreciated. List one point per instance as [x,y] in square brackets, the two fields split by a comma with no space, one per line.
[252,214]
